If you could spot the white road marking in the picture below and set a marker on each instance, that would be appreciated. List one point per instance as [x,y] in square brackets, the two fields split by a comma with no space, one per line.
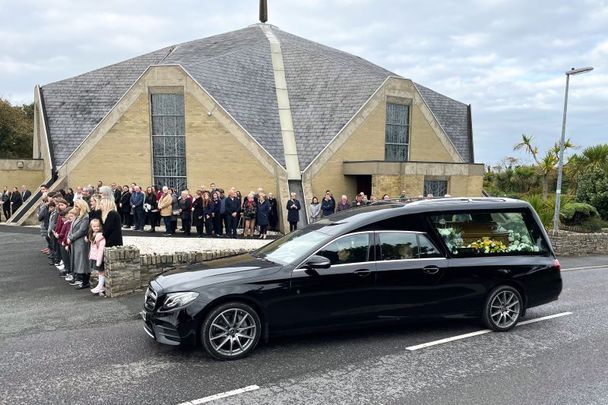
[221,395]
[586,267]
[480,332]
[544,318]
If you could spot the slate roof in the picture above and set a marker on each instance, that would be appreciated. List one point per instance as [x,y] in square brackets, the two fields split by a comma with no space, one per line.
[326,88]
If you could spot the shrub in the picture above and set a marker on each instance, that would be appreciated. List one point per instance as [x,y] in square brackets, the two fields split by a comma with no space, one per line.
[593,189]
[576,213]
[593,224]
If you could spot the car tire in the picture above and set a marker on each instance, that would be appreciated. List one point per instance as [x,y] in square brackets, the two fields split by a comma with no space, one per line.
[231,331]
[503,308]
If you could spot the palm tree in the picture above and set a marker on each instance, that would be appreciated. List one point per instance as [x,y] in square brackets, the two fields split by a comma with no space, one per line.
[591,158]
[546,165]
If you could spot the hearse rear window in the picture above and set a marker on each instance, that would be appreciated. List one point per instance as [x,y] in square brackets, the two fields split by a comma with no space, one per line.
[477,233]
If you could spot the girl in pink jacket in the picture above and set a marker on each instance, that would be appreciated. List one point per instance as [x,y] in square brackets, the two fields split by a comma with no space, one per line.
[98,243]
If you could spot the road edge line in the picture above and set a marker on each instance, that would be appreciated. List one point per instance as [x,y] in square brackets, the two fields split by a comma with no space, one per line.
[221,395]
[480,332]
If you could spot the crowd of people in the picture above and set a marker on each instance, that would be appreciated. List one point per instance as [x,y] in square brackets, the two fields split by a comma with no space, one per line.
[12,199]
[77,230]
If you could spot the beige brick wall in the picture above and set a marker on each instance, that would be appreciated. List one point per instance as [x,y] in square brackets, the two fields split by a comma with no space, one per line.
[31,175]
[122,155]
[424,143]
[214,155]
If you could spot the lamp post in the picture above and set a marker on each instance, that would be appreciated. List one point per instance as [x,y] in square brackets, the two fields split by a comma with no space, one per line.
[560,164]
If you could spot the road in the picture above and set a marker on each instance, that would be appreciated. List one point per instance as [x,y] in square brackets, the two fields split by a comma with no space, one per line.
[58,345]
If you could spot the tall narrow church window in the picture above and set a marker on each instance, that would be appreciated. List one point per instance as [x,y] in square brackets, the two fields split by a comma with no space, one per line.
[169,140]
[397,132]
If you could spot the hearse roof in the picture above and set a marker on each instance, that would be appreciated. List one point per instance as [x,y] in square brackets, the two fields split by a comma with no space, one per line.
[354,218]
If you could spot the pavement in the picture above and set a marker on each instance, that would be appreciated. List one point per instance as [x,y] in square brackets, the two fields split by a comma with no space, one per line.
[58,345]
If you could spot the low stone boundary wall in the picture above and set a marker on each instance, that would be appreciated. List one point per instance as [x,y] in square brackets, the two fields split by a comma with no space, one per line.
[580,244]
[128,271]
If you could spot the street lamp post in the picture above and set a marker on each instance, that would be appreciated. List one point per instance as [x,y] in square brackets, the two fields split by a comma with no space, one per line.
[560,164]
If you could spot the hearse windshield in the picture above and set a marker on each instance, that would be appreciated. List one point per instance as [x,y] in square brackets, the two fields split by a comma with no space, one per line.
[292,247]
[474,233]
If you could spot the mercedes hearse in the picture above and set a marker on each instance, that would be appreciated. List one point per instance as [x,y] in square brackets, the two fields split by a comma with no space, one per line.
[485,258]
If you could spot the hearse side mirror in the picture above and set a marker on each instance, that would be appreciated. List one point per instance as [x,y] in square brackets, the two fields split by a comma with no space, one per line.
[316,262]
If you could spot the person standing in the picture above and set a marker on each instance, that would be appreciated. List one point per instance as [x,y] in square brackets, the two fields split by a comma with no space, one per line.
[315,210]
[137,201]
[217,214]
[343,204]
[6,203]
[293,212]
[110,218]
[151,209]
[328,206]
[25,193]
[249,212]
[69,197]
[164,205]
[262,215]
[79,248]
[16,200]
[208,213]
[96,249]
[185,207]
[273,215]
[125,207]
[175,211]
[233,207]
[198,216]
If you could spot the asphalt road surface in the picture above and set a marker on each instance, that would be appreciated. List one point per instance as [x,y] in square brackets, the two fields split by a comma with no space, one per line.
[58,345]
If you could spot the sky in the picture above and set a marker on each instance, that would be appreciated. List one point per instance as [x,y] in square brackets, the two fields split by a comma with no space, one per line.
[507,58]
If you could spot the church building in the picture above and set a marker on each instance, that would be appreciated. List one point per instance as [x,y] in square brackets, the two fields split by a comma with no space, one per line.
[256,107]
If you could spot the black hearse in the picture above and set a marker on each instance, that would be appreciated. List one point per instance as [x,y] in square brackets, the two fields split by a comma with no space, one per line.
[484,258]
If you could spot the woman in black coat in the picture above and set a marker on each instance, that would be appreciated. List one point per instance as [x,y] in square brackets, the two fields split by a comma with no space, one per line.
[198,214]
[273,215]
[293,212]
[111,224]
[263,214]
[208,213]
[151,209]
[125,207]
[185,206]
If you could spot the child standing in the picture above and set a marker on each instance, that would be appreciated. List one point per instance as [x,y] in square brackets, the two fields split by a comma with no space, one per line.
[79,248]
[98,243]
[62,239]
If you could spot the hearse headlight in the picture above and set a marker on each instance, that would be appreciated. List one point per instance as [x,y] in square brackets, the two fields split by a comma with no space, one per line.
[175,300]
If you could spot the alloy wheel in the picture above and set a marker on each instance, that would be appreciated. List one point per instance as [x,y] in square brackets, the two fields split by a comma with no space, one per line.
[505,308]
[232,332]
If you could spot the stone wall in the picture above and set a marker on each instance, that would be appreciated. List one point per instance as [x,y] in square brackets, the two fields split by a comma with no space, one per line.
[128,271]
[580,244]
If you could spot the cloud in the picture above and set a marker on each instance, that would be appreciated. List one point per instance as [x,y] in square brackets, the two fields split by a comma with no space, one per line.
[505,57]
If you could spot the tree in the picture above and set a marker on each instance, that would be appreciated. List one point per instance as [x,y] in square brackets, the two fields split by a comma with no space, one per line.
[16,130]
[591,159]
[545,165]
[593,189]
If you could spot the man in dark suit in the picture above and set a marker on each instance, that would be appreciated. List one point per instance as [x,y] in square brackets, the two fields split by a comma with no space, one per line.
[233,207]
[25,193]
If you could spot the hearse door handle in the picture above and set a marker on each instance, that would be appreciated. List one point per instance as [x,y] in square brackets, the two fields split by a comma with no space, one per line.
[363,272]
[431,269]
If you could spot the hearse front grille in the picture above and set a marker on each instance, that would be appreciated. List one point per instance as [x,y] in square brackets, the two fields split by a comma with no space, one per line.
[150,299]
